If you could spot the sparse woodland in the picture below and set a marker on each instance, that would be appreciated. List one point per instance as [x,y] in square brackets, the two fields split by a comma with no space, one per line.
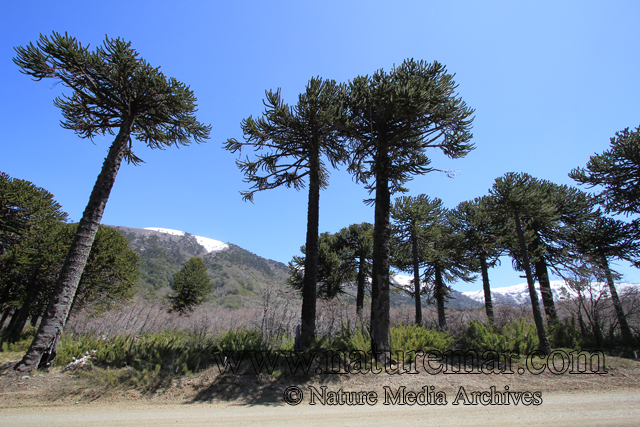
[337,293]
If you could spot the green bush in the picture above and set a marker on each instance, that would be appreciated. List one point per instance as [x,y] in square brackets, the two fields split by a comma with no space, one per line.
[350,339]
[519,335]
[174,352]
[565,334]
[242,340]
[403,339]
[418,338]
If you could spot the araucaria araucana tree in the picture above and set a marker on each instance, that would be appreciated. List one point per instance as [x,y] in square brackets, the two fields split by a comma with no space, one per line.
[474,220]
[517,203]
[601,240]
[617,171]
[393,119]
[344,258]
[412,221]
[113,92]
[293,143]
[191,286]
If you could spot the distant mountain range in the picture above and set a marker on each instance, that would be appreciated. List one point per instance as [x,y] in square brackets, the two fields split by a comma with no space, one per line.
[238,274]
[519,294]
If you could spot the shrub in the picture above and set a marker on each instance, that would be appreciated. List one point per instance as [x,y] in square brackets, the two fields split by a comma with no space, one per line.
[418,338]
[519,335]
[242,340]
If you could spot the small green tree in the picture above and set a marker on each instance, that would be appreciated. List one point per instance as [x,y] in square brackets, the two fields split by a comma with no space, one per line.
[343,258]
[357,241]
[334,268]
[31,272]
[114,92]
[448,259]
[29,218]
[191,286]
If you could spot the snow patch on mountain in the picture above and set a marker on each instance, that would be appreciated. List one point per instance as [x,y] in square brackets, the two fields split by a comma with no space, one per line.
[519,294]
[211,245]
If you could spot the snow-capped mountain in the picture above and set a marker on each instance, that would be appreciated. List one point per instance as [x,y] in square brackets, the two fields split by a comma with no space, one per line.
[211,245]
[519,294]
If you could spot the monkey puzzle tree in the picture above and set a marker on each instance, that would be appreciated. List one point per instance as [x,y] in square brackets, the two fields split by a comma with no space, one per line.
[393,118]
[559,209]
[515,201]
[191,286]
[293,142]
[475,221]
[117,93]
[343,258]
[617,170]
[448,259]
[413,219]
[357,239]
[601,240]
[334,268]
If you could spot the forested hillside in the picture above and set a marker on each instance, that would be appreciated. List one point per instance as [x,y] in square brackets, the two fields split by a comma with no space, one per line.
[237,274]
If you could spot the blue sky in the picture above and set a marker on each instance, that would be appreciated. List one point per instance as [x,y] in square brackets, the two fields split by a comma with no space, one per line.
[551,82]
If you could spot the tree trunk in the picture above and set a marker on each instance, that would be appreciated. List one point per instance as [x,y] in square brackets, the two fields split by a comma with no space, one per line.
[380,328]
[488,304]
[308,317]
[622,319]
[18,320]
[416,279]
[360,291]
[43,348]
[545,347]
[4,318]
[542,274]
[439,295]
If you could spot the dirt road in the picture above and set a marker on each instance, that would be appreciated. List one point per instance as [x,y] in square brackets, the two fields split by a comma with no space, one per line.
[595,409]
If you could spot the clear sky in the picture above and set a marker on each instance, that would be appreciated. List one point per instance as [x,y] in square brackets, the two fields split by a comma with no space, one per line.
[551,82]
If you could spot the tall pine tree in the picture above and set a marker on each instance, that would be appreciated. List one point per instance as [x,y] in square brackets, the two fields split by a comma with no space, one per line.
[393,118]
[113,92]
[292,143]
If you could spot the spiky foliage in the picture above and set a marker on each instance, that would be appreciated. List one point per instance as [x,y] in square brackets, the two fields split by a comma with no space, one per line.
[602,240]
[191,286]
[517,201]
[413,220]
[617,172]
[477,224]
[113,92]
[291,143]
[335,267]
[344,258]
[25,210]
[393,118]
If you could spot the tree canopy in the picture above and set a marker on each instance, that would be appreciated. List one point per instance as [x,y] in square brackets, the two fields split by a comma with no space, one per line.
[393,118]
[617,172]
[113,92]
[292,143]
